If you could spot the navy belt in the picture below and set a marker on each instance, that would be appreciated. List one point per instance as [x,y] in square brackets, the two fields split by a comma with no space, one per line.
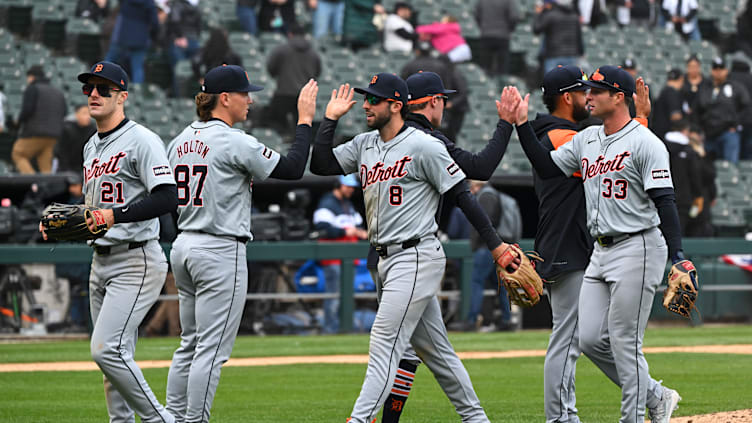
[384,249]
[609,240]
[243,239]
[109,249]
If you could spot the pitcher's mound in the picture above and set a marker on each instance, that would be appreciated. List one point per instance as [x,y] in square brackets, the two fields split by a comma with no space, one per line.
[738,416]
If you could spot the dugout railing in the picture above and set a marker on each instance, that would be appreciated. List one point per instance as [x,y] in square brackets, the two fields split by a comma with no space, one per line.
[704,252]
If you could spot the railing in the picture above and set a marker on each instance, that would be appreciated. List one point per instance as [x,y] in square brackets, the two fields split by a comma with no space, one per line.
[305,250]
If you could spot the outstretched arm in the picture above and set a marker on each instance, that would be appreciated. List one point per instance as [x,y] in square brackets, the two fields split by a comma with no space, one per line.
[480,221]
[481,166]
[539,156]
[292,166]
[323,161]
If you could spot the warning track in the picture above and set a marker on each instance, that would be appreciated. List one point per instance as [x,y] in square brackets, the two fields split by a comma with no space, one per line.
[351,359]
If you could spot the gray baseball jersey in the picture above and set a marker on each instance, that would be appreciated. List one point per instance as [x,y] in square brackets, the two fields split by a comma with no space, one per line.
[214,167]
[617,170]
[402,181]
[121,169]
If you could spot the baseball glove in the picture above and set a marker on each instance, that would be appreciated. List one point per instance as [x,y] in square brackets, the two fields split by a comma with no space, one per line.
[683,284]
[523,285]
[67,222]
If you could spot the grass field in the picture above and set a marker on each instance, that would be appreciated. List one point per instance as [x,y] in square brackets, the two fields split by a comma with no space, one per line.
[510,389]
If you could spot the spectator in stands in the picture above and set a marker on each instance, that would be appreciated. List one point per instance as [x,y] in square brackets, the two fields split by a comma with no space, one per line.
[277,15]
[682,16]
[41,123]
[446,37]
[167,314]
[3,108]
[685,171]
[216,52]
[744,27]
[497,20]
[337,220]
[425,61]
[562,35]
[292,65]
[719,110]
[669,106]
[96,10]
[740,72]
[183,31]
[592,12]
[76,132]
[246,13]
[484,270]
[693,80]
[358,30]
[701,225]
[640,12]
[135,25]
[328,17]
[399,33]
[457,105]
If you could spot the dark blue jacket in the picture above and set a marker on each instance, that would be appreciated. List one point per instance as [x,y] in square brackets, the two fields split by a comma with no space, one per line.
[135,24]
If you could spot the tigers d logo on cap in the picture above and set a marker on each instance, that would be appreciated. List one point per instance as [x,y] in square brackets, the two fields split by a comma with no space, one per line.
[386,85]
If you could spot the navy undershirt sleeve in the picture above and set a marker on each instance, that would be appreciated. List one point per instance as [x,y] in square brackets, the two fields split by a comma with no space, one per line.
[162,199]
[665,202]
[475,214]
[292,166]
[539,156]
[323,161]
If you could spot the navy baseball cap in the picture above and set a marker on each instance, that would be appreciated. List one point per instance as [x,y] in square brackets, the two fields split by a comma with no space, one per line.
[109,71]
[386,85]
[423,85]
[228,79]
[612,78]
[564,78]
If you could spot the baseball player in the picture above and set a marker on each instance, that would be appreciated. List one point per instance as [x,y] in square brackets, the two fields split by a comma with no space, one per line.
[126,173]
[562,238]
[215,166]
[403,172]
[425,112]
[628,197]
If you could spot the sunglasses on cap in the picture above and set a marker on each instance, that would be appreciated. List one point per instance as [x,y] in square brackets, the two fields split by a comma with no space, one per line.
[102,89]
[374,100]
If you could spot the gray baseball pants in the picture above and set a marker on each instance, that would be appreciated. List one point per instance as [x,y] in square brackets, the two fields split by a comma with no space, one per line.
[123,285]
[409,312]
[615,301]
[211,274]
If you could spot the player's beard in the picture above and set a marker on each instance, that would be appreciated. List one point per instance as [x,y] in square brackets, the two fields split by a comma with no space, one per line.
[380,121]
[580,112]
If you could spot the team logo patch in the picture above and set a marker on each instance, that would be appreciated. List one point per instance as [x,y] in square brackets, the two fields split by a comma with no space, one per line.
[267,153]
[453,168]
[660,174]
[161,170]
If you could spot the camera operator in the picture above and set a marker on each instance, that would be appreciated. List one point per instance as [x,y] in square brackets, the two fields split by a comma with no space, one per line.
[337,220]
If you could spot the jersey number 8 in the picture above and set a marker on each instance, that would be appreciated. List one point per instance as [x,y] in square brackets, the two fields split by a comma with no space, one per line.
[183,175]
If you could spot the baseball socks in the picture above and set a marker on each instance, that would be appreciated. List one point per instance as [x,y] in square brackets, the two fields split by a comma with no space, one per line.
[403,382]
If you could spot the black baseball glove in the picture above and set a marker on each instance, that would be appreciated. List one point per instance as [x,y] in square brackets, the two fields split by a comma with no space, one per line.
[67,222]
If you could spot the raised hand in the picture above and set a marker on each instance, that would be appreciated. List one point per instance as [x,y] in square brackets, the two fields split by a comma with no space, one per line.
[340,103]
[642,98]
[307,102]
[506,106]
[522,107]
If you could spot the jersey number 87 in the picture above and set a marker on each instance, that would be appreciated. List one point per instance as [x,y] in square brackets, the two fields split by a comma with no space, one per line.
[183,175]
